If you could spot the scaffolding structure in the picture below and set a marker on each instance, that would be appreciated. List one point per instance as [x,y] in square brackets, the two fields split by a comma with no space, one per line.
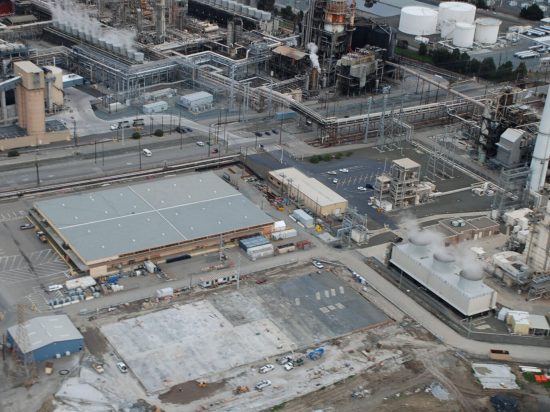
[539,288]
[405,177]
[441,164]
[513,193]
[354,228]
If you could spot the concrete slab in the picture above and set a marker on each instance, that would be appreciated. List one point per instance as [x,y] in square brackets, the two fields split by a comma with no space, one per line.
[226,330]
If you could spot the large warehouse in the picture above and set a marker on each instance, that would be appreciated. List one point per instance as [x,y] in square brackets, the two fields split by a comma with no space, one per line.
[102,232]
[46,337]
[305,190]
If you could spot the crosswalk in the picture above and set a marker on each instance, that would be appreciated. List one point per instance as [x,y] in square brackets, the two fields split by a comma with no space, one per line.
[45,264]
[9,215]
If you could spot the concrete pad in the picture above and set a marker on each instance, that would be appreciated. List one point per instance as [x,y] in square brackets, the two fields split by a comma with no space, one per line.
[190,342]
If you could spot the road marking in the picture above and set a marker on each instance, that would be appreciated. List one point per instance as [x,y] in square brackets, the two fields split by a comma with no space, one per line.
[318,295]
[333,292]
[46,264]
[297,301]
[331,307]
[327,294]
[341,289]
[324,310]
[340,306]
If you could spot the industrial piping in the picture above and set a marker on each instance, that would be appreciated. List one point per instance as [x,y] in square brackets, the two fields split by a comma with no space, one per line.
[541,153]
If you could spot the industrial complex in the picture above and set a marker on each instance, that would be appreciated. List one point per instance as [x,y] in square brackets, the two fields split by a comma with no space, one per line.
[250,205]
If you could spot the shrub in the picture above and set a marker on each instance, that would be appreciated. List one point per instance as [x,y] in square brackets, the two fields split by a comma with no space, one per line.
[314,159]
[533,12]
[136,135]
[159,133]
[338,155]
[326,157]
[13,153]
[422,49]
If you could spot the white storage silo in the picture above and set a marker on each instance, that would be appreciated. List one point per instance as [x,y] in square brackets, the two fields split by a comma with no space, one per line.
[454,11]
[418,21]
[487,30]
[463,35]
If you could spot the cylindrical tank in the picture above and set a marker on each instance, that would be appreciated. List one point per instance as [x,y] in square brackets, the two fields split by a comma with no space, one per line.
[418,21]
[463,35]
[455,11]
[487,30]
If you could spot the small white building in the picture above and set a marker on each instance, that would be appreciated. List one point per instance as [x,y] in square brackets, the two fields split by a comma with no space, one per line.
[155,107]
[197,102]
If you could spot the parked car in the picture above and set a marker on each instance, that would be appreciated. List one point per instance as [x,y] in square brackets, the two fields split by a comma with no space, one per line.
[274,131]
[53,288]
[41,236]
[259,134]
[181,129]
[288,366]
[332,173]
[318,265]
[215,150]
[335,180]
[266,368]
[122,367]
[199,143]
[267,133]
[114,126]
[284,359]
[344,170]
[26,226]
[264,383]
[369,186]
[361,188]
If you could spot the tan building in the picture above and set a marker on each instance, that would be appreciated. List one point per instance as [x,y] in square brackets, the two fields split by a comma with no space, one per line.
[307,192]
[30,97]
[456,230]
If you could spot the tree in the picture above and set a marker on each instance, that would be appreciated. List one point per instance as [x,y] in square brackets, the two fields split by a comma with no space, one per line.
[521,71]
[136,135]
[267,5]
[504,72]
[481,4]
[474,66]
[422,49]
[287,13]
[533,12]
[487,68]
[159,133]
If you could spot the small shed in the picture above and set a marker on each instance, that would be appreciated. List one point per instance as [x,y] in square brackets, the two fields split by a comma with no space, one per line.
[538,325]
[518,321]
[303,217]
[155,107]
[197,102]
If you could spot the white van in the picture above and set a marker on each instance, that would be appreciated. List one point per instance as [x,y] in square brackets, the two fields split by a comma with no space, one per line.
[147,153]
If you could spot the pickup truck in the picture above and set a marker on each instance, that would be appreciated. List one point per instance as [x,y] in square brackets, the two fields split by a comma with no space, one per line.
[41,236]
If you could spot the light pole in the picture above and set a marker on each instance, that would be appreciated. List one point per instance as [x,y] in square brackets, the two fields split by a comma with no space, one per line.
[75,137]
[139,152]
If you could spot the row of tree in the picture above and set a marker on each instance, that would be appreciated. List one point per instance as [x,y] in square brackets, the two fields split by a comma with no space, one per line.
[464,64]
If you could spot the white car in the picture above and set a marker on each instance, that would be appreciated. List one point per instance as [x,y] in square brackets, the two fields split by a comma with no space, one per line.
[122,367]
[114,126]
[199,143]
[318,265]
[266,368]
[344,170]
[288,366]
[264,383]
[335,180]
[53,288]
[362,188]
[332,172]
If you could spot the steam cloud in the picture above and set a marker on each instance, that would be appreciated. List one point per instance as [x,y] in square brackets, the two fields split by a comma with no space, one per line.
[464,257]
[312,47]
[74,15]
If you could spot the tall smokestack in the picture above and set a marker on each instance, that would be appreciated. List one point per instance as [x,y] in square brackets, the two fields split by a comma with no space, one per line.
[541,153]
[161,20]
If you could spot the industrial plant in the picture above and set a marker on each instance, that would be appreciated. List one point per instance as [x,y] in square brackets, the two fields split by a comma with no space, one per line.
[274,205]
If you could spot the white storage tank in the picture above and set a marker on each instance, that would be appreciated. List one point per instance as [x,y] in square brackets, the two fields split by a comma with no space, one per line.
[418,21]
[454,11]
[487,30]
[463,35]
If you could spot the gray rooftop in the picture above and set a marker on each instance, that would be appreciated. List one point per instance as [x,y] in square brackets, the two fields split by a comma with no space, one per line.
[127,219]
[45,330]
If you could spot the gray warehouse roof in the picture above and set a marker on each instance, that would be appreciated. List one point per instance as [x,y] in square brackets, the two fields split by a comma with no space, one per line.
[45,330]
[112,222]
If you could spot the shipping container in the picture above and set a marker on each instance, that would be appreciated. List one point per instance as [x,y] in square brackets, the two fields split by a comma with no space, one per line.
[164,293]
[284,234]
[285,115]
[287,248]
[304,218]
[155,107]
[253,241]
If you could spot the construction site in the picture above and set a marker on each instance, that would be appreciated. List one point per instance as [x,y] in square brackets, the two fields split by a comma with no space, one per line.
[233,205]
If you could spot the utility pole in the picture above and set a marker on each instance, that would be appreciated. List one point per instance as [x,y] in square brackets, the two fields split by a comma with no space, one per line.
[102,154]
[37,173]
[281,139]
[75,137]
[139,152]
[95,151]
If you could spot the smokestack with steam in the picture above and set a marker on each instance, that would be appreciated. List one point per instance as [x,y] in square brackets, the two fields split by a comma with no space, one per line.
[541,153]
[312,47]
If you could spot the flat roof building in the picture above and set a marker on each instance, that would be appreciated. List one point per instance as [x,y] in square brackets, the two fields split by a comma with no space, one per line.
[102,231]
[307,191]
[46,337]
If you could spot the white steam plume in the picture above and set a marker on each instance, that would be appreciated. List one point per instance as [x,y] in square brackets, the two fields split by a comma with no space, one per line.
[74,15]
[312,47]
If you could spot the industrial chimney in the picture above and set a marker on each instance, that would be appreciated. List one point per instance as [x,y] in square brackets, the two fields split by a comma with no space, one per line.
[161,20]
[541,153]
